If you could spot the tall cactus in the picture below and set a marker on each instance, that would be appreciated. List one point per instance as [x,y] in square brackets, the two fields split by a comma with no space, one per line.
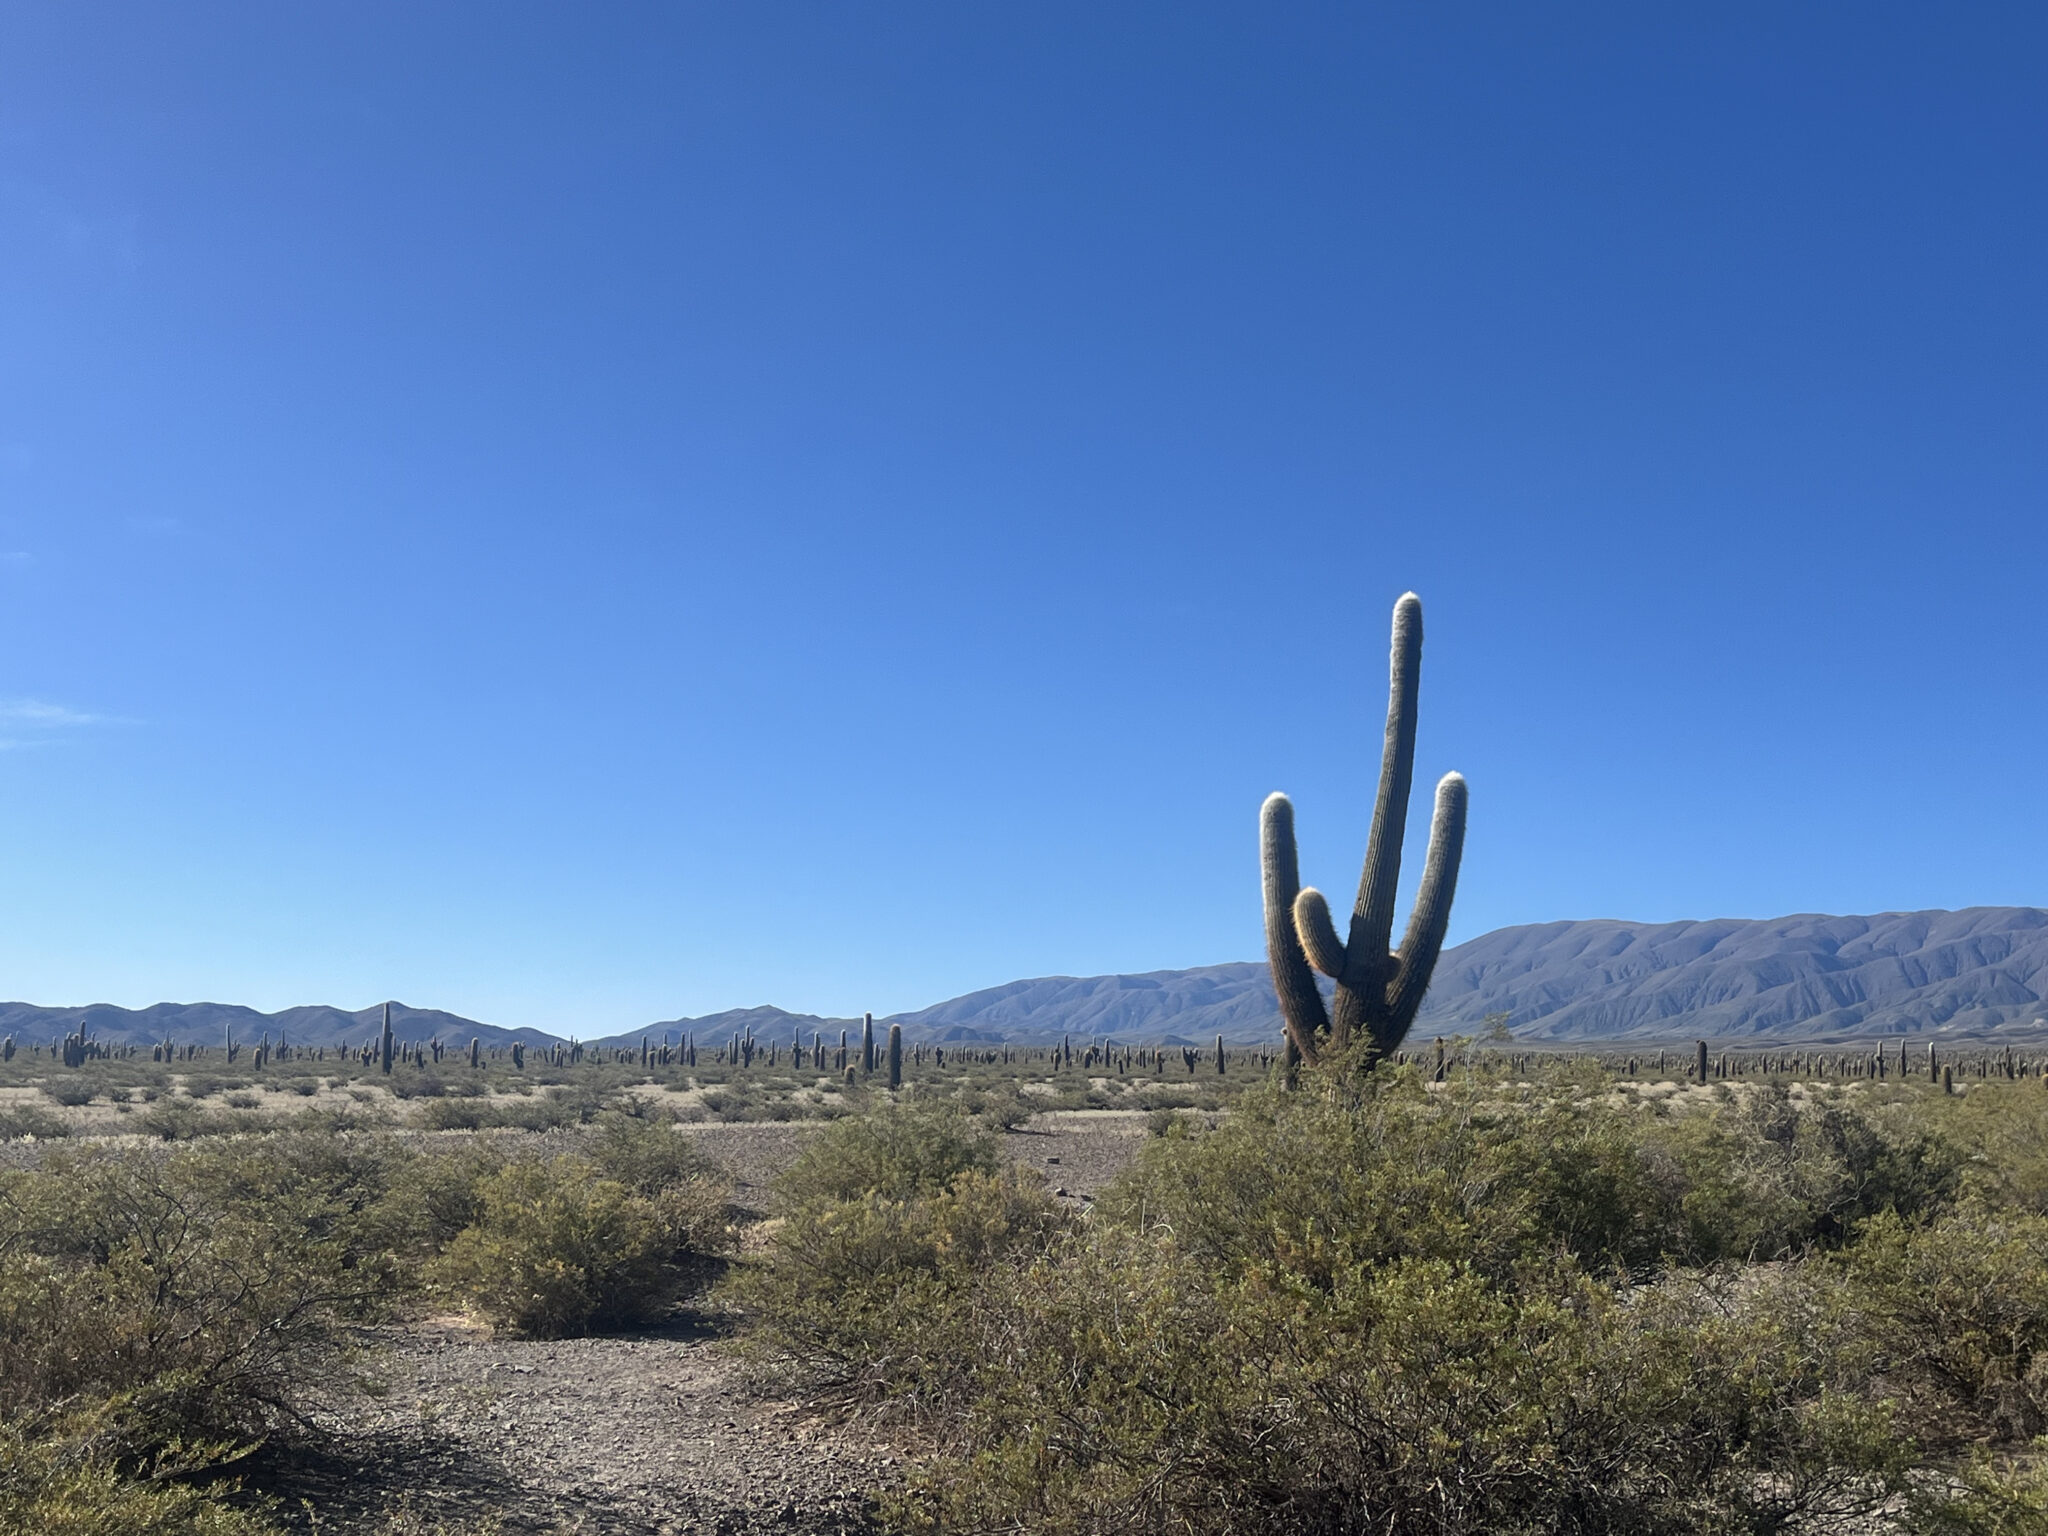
[384,1043]
[1378,989]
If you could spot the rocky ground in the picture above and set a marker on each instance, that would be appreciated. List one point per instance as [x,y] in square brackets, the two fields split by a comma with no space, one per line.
[653,1435]
[659,1434]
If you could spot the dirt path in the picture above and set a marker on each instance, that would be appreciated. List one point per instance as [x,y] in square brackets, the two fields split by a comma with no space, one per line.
[651,1435]
[646,1436]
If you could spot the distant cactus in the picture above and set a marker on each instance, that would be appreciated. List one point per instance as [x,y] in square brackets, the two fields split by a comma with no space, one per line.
[867,1045]
[476,1051]
[384,1044]
[1378,990]
[895,1055]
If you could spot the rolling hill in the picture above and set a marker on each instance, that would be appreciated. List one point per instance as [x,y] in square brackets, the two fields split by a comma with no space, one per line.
[1982,970]
[207,1023]
[1977,972]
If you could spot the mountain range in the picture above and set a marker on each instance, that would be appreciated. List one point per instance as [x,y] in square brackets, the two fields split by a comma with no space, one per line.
[211,1023]
[1981,971]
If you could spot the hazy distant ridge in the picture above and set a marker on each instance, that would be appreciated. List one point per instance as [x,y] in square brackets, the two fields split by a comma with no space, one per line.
[206,1024]
[1978,971]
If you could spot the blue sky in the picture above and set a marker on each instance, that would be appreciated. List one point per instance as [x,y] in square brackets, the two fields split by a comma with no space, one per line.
[578,515]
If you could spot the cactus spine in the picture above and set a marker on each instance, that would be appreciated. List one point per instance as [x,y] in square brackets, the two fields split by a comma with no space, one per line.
[1378,989]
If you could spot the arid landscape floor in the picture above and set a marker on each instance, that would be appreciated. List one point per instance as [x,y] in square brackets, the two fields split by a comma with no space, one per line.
[647,1435]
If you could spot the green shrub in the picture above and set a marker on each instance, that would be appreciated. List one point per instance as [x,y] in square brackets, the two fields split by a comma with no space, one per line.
[1992,1496]
[1126,1390]
[72,1091]
[1001,1106]
[458,1115]
[2004,1129]
[1367,1172]
[1381,1305]
[646,1155]
[203,1292]
[1763,1177]
[559,1250]
[201,1085]
[1951,1318]
[53,1486]
[893,1152]
[178,1119]
[19,1120]
[874,1296]
[545,1112]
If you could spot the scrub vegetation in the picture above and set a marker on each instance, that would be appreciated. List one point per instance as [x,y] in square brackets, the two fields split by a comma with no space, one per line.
[1488,1304]
[1491,1293]
[168,1308]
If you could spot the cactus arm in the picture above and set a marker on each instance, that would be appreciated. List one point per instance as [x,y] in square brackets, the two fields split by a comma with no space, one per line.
[1424,940]
[1317,933]
[1301,1003]
[1359,1000]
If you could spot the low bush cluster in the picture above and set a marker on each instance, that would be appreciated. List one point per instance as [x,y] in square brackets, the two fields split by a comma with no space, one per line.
[598,1239]
[893,1223]
[1378,1305]
[165,1308]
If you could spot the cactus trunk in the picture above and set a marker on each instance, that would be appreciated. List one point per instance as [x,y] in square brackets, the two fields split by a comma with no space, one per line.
[1378,990]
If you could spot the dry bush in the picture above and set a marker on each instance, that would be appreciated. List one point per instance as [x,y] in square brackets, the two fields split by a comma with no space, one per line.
[201,1292]
[1372,1305]
[607,1238]
[53,1486]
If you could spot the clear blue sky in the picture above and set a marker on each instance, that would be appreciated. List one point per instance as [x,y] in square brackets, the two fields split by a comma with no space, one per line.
[584,514]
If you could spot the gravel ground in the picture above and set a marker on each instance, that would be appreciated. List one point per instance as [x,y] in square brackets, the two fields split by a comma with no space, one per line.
[651,1435]
[655,1435]
[753,1153]
[1078,1150]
